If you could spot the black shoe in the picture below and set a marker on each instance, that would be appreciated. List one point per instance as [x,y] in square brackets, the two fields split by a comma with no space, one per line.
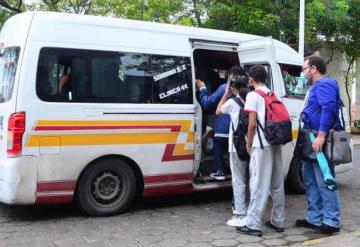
[277,229]
[326,229]
[305,223]
[246,230]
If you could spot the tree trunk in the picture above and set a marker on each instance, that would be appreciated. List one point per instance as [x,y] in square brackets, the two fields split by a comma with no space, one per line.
[16,9]
[357,91]
[347,87]
[197,13]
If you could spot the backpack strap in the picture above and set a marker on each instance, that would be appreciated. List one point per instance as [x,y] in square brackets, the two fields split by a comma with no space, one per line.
[258,131]
[261,92]
[238,101]
[241,104]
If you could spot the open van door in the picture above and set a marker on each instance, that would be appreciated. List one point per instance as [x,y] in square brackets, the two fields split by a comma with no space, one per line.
[214,48]
[262,51]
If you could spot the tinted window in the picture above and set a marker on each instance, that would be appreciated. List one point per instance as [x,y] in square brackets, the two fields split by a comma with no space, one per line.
[97,76]
[8,63]
[295,82]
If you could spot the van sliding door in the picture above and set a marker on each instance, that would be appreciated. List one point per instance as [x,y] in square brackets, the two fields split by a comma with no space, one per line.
[211,46]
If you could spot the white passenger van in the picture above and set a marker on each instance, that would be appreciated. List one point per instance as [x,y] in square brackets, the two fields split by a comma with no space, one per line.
[101,110]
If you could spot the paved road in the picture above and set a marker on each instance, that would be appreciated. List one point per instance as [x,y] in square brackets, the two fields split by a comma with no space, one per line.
[196,220]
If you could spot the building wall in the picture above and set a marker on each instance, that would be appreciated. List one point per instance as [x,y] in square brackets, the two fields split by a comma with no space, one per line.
[337,68]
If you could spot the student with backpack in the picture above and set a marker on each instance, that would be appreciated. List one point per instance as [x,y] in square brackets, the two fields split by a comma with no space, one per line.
[269,126]
[237,144]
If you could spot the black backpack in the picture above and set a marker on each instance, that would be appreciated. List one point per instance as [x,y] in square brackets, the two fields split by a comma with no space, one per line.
[240,132]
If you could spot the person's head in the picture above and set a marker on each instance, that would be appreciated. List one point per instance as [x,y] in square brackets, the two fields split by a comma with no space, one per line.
[257,75]
[238,85]
[314,68]
[236,70]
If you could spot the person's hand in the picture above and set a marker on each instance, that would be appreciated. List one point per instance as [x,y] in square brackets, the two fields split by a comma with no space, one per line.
[248,148]
[227,90]
[64,79]
[318,143]
[199,83]
[229,79]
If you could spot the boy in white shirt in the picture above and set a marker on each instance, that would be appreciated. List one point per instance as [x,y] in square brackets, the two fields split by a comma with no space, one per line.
[238,87]
[266,169]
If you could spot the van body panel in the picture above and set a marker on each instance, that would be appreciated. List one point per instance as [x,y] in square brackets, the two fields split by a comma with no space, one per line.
[18,178]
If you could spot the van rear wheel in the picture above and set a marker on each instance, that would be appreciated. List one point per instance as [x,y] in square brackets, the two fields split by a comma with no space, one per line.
[106,187]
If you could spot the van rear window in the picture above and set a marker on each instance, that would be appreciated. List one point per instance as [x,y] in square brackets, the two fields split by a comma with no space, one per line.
[8,63]
[72,75]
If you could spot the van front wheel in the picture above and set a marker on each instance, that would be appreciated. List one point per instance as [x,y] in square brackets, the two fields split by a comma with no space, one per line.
[106,187]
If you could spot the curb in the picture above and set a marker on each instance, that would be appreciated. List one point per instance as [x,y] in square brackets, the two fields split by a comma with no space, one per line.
[346,240]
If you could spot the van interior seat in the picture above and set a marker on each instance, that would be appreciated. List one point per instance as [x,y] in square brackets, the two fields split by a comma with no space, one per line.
[115,87]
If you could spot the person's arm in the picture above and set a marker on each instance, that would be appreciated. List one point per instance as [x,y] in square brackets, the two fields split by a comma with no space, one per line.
[251,130]
[251,108]
[208,101]
[326,95]
[64,79]
[222,101]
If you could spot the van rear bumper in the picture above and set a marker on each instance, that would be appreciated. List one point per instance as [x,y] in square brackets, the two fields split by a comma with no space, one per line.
[18,178]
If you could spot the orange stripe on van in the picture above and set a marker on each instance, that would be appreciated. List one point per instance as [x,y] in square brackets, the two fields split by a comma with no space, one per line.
[185,124]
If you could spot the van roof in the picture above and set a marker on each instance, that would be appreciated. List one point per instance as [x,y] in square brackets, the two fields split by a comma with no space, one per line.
[105,32]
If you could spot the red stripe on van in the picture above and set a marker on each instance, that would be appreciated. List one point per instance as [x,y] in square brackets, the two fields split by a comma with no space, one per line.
[173,128]
[68,185]
[169,154]
[54,199]
[167,178]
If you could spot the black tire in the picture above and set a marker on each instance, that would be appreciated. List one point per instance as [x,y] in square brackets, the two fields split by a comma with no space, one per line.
[106,187]
[294,182]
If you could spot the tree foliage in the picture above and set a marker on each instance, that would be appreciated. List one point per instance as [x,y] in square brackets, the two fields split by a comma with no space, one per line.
[336,21]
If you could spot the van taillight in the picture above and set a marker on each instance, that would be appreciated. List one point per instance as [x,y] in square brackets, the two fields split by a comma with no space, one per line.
[16,129]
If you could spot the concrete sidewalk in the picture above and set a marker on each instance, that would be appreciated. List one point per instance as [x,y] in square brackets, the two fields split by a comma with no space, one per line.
[342,240]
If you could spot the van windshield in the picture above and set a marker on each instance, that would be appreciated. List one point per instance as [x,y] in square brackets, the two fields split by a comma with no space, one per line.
[8,63]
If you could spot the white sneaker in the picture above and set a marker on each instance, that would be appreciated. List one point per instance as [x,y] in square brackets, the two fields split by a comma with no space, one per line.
[236,221]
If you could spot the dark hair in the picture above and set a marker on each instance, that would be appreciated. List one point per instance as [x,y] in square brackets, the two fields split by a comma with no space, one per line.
[318,62]
[236,70]
[239,82]
[258,73]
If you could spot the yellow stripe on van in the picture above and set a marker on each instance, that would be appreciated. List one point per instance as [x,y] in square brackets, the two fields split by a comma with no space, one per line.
[108,139]
[190,137]
[295,133]
[180,150]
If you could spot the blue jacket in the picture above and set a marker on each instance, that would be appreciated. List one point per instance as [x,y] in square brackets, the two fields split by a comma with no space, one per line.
[323,105]
[210,102]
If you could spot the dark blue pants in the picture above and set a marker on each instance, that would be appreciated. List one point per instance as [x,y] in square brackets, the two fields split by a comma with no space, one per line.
[220,146]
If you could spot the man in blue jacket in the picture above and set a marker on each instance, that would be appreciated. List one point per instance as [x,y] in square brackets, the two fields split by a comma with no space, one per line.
[209,102]
[322,105]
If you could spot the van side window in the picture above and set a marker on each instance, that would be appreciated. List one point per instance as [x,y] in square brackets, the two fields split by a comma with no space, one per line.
[8,63]
[269,82]
[69,75]
[295,82]
[172,77]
